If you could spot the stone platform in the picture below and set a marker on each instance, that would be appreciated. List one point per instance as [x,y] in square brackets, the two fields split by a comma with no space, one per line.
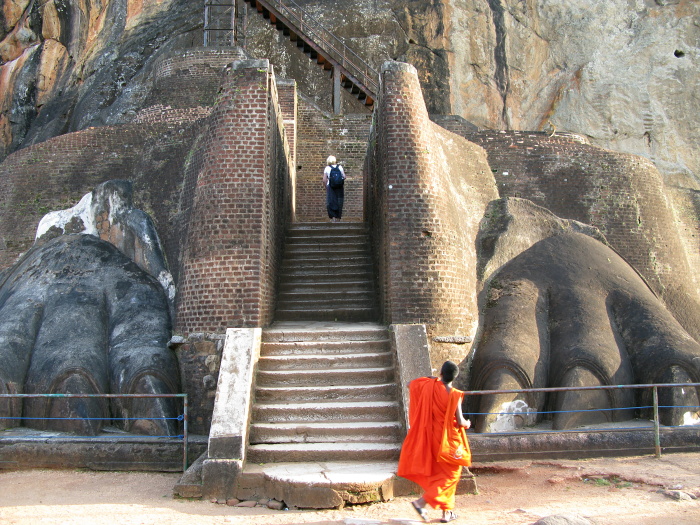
[331,484]
[24,448]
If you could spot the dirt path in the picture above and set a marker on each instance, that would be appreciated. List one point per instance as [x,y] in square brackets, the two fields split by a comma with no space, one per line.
[609,491]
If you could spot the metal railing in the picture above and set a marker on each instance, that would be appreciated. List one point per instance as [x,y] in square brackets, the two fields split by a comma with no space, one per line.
[328,42]
[654,407]
[219,22]
[183,418]
[303,24]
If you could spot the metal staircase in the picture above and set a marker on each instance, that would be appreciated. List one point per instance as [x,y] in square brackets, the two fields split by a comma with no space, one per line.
[319,44]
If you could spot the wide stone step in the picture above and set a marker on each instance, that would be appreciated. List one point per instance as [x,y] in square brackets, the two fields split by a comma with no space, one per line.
[296,244]
[314,275]
[330,258]
[327,412]
[302,332]
[308,282]
[338,314]
[342,377]
[324,485]
[287,303]
[367,432]
[296,452]
[322,347]
[339,229]
[309,394]
[337,295]
[327,295]
[325,362]
[327,238]
[320,257]
[333,267]
[325,259]
[305,252]
[326,285]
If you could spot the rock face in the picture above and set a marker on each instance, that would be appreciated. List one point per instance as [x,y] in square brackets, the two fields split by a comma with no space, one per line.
[623,72]
[67,66]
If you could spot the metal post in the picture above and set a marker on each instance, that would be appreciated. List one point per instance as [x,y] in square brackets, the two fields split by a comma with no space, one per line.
[206,24]
[336,90]
[234,19]
[657,437]
[184,435]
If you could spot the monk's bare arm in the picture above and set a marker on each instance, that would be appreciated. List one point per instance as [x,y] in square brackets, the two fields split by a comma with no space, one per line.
[461,422]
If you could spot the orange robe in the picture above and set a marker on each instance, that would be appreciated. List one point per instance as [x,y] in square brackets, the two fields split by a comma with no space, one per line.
[418,461]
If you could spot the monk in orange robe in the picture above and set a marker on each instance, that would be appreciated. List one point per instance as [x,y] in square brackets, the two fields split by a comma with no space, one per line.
[430,399]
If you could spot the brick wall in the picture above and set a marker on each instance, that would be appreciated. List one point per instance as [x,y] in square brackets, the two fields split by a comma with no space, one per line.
[240,205]
[321,134]
[427,190]
[55,174]
[190,78]
[287,97]
[622,195]
[164,156]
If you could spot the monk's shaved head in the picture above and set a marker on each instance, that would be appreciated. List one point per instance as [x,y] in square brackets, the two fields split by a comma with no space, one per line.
[449,371]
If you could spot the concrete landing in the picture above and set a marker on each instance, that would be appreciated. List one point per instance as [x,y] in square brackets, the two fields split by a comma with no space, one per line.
[330,484]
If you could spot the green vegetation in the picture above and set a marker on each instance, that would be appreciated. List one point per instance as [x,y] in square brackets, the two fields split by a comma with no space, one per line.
[610,481]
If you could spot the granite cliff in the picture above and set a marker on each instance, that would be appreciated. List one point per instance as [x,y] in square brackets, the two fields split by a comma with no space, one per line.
[623,72]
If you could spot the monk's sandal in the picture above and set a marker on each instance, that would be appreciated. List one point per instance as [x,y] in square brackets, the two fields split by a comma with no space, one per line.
[448,516]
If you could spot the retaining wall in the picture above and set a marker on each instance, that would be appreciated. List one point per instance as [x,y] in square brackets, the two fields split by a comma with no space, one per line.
[426,190]
[240,206]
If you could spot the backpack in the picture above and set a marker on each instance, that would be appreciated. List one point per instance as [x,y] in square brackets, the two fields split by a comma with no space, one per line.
[335,178]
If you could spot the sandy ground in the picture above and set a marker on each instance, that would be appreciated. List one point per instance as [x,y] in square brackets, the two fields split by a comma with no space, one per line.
[614,491]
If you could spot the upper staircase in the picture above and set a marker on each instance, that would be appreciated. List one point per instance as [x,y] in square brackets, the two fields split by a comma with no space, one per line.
[326,274]
[319,44]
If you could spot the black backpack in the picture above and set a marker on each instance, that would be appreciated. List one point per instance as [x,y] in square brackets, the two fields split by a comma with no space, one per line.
[336,177]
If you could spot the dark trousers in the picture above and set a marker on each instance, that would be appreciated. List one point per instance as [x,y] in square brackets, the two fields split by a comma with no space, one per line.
[334,201]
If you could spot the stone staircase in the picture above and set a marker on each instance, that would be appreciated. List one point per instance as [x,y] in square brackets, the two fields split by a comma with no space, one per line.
[321,46]
[326,420]
[326,274]
[325,427]
[325,393]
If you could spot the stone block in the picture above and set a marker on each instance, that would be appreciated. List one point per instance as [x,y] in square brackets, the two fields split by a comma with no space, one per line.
[219,478]
[229,430]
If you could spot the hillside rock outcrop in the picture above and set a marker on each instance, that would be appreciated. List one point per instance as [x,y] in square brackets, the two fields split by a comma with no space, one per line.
[623,73]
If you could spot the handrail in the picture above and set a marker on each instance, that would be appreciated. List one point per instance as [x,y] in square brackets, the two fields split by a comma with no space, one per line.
[331,44]
[359,72]
[655,402]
